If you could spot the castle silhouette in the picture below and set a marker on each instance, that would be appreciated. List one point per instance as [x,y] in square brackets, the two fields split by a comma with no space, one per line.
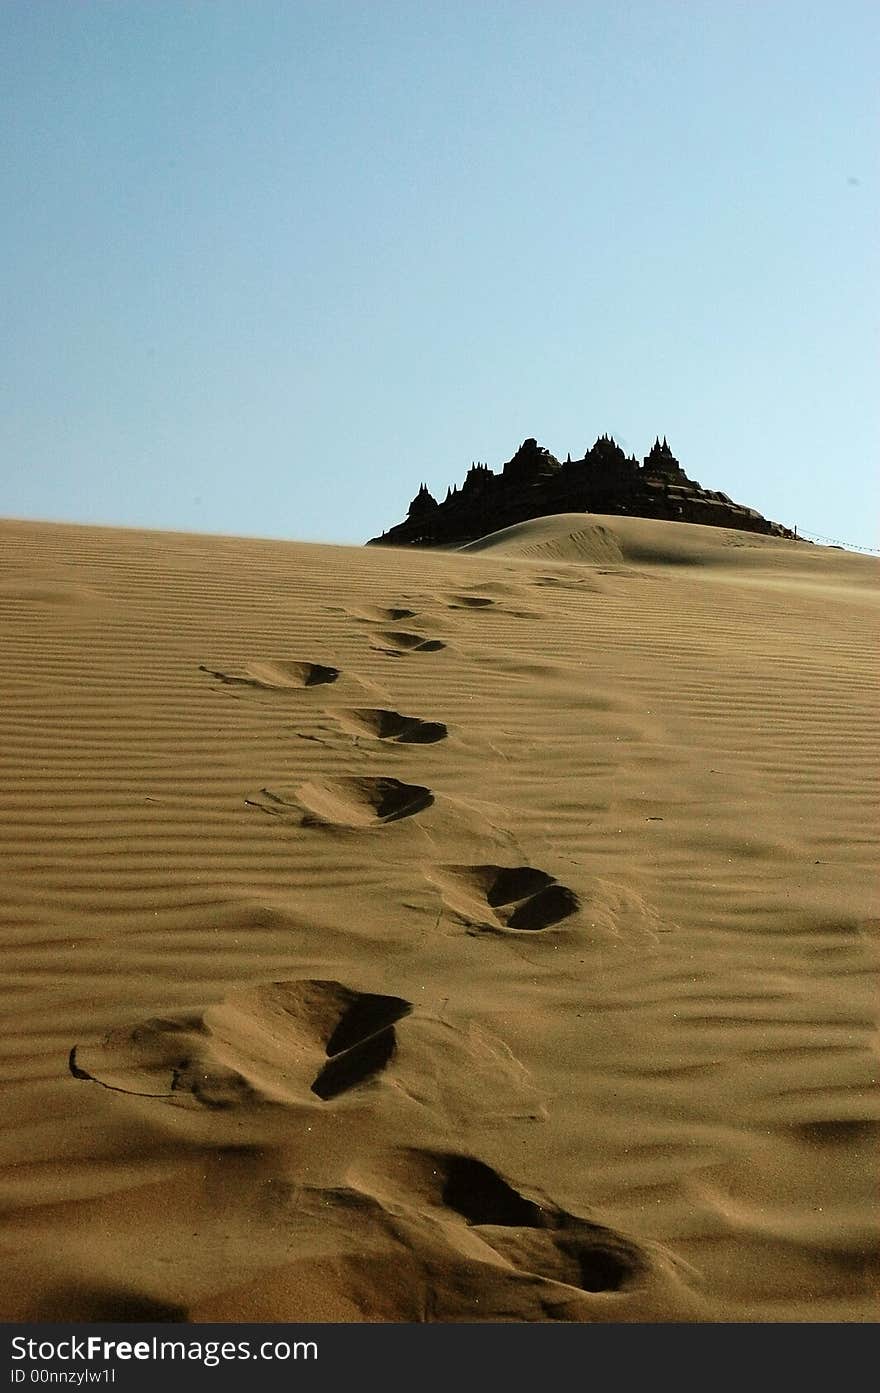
[533,483]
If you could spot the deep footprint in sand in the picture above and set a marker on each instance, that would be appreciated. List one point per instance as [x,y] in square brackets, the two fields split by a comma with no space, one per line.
[279,674]
[400,641]
[304,1043]
[275,1043]
[531,1233]
[382,724]
[521,898]
[353,802]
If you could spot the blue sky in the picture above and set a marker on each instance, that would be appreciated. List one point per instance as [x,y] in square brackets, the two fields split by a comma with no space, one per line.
[269,264]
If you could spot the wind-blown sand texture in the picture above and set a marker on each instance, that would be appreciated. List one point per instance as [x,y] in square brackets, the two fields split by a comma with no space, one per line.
[417,936]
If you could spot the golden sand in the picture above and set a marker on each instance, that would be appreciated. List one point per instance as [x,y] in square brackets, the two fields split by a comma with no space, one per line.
[395,935]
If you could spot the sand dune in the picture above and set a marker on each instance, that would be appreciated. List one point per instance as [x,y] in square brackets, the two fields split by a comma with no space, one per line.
[482,935]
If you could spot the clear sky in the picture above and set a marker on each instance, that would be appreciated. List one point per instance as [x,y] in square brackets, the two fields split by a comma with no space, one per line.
[269,264]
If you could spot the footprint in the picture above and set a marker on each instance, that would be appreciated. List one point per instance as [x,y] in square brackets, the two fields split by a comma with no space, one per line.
[382,614]
[485,602]
[469,601]
[362,1043]
[505,897]
[305,1042]
[352,801]
[567,582]
[533,1234]
[275,1043]
[400,641]
[391,725]
[277,674]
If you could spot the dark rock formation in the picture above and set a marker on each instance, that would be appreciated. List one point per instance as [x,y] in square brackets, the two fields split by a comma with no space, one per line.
[423,505]
[530,463]
[533,483]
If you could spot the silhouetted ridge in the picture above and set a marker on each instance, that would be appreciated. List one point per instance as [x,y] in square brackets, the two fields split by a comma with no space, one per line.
[533,484]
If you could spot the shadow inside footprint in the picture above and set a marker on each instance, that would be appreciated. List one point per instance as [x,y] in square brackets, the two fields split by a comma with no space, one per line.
[549,906]
[276,675]
[511,884]
[604,1260]
[274,1043]
[366,1015]
[534,1236]
[347,802]
[363,1042]
[382,614]
[521,898]
[391,725]
[399,641]
[479,1194]
[356,1064]
[470,602]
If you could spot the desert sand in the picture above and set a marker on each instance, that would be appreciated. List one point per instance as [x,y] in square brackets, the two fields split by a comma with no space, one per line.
[397,935]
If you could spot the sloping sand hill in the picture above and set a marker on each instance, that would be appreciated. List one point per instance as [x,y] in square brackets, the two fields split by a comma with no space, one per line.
[393,935]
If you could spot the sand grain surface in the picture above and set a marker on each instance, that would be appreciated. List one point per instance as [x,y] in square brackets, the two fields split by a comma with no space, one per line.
[393,935]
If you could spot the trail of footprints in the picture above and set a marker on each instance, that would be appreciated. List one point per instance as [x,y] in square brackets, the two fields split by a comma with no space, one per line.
[303,1043]
[503,899]
[312,1042]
